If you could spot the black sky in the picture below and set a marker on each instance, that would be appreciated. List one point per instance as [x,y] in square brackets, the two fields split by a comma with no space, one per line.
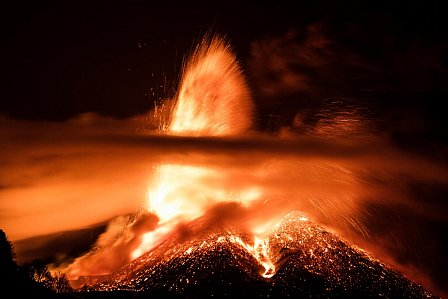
[117,57]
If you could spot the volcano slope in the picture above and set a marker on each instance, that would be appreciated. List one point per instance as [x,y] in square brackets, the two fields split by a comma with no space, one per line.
[201,260]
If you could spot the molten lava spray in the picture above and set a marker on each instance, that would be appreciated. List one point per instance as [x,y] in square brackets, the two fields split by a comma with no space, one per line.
[213,100]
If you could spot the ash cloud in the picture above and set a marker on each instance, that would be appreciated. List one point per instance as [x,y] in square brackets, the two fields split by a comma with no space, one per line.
[115,245]
[57,178]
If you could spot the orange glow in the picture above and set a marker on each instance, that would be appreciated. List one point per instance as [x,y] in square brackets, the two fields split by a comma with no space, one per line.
[151,238]
[170,191]
[213,100]
[260,251]
[213,97]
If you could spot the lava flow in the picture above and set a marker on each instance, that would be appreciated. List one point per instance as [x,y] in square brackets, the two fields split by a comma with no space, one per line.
[213,221]
[216,261]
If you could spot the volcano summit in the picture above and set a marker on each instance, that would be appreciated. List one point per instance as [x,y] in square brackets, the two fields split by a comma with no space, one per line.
[200,260]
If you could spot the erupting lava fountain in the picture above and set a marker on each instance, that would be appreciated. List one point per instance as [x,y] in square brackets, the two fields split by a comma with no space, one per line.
[197,249]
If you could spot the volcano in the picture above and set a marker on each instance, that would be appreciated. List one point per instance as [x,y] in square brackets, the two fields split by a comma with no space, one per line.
[201,259]
[200,248]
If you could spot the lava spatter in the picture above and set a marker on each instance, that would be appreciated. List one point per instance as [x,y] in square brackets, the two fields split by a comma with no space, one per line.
[310,261]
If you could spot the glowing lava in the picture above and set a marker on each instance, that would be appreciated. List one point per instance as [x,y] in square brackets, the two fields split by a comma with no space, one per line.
[213,100]
[260,251]
[217,261]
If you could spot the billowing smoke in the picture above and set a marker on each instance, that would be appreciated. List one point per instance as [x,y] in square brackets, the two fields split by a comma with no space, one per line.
[122,236]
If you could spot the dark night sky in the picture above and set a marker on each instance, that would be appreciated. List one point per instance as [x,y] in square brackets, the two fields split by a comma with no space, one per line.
[115,58]
[64,58]
[104,56]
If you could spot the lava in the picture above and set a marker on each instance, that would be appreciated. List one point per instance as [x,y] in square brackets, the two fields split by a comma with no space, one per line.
[213,100]
[309,260]
[260,251]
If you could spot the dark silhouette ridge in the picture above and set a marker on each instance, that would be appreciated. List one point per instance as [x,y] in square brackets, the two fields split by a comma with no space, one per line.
[32,280]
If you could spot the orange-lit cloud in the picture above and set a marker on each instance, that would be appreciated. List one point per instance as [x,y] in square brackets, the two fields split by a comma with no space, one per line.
[59,176]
